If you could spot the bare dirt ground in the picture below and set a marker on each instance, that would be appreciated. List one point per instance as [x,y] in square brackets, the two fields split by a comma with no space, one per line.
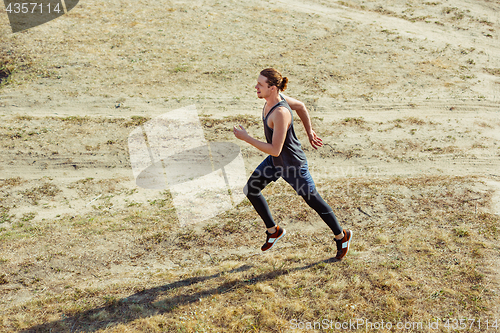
[405,94]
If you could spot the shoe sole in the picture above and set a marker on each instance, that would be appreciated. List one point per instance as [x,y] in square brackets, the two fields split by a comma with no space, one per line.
[277,239]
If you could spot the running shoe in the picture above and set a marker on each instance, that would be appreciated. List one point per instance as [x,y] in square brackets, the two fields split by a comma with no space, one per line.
[343,245]
[273,238]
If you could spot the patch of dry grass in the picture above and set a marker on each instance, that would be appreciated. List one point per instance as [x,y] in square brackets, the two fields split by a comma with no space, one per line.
[18,65]
[46,190]
[493,71]
[50,142]
[420,251]
[217,129]
[411,139]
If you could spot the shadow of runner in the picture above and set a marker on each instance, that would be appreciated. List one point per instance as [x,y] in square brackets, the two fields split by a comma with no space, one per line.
[81,322]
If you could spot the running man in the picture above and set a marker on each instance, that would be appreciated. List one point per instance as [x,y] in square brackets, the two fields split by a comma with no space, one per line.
[286,159]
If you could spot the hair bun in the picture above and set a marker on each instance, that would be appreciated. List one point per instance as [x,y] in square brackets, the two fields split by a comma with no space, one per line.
[283,84]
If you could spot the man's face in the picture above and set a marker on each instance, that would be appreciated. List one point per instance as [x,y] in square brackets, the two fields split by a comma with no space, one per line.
[263,89]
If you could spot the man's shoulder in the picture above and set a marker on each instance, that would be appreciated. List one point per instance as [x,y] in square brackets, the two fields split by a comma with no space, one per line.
[293,103]
[282,111]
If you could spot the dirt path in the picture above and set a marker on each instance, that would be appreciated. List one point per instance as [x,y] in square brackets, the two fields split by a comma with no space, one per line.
[438,35]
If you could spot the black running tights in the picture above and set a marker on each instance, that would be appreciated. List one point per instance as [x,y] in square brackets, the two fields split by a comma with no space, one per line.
[253,190]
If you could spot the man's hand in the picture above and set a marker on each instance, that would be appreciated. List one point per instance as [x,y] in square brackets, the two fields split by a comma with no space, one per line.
[315,140]
[240,132]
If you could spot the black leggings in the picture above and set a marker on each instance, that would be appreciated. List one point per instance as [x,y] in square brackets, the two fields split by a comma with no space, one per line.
[256,184]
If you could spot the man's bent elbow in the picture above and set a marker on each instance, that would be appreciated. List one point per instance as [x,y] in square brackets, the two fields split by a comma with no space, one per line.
[301,107]
[276,153]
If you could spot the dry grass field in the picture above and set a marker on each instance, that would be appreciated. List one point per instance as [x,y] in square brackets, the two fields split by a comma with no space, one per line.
[405,95]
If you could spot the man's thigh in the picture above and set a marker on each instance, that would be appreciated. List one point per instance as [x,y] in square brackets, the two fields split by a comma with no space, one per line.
[300,179]
[262,176]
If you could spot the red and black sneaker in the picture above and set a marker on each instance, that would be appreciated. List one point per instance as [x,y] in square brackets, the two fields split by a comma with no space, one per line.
[273,238]
[343,245]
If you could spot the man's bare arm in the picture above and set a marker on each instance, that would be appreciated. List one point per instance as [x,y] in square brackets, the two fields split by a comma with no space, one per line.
[303,114]
[281,119]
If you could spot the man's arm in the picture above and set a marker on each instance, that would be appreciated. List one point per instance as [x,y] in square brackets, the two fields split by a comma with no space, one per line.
[280,120]
[303,114]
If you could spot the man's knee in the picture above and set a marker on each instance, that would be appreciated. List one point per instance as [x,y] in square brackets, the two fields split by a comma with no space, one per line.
[306,191]
[316,202]
[245,189]
[251,188]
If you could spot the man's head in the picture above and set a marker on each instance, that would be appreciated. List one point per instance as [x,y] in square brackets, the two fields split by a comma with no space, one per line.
[270,82]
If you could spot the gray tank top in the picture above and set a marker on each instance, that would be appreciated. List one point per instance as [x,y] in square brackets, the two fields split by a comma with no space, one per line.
[292,154]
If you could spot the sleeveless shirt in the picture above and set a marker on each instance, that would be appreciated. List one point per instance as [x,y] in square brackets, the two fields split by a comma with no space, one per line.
[291,154]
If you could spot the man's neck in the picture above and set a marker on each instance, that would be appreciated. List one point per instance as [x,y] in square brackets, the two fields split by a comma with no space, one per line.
[273,100]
